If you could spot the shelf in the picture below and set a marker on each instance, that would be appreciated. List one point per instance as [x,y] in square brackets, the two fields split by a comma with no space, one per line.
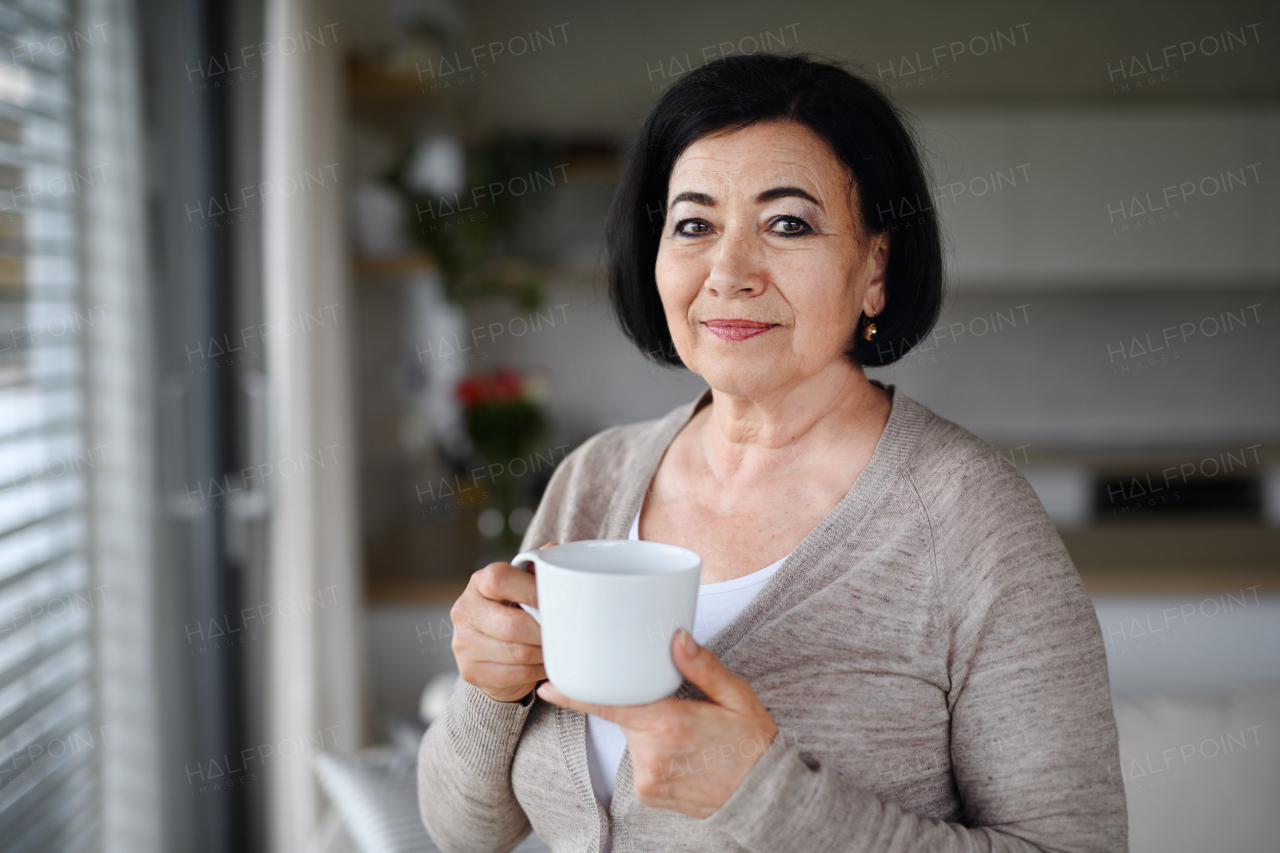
[397,101]
[1180,581]
[422,561]
[1183,557]
[409,593]
[396,266]
[1146,559]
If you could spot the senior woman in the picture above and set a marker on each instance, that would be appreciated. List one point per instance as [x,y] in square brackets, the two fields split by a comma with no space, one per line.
[892,649]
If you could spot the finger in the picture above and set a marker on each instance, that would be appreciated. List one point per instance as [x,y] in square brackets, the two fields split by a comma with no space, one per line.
[504,582]
[711,676]
[548,692]
[549,544]
[626,716]
[490,673]
[483,648]
[505,624]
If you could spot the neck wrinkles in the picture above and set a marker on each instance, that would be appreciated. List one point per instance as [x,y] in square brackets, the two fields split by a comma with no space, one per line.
[759,436]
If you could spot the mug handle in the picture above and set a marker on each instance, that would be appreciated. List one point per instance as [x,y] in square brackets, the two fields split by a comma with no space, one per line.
[528,557]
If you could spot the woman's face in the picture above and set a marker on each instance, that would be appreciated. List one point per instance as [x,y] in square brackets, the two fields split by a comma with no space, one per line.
[763,268]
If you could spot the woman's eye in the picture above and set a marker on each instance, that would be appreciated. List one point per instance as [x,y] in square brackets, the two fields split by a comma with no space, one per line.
[693,227]
[790,226]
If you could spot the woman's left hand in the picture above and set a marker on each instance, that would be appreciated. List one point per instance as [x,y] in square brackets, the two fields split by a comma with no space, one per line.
[687,755]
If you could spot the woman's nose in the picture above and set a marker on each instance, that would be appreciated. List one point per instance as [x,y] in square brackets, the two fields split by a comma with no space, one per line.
[736,268]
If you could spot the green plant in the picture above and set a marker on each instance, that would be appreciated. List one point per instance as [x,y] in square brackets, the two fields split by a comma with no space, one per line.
[471,236]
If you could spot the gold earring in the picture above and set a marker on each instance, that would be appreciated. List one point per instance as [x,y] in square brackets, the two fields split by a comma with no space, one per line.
[869,332]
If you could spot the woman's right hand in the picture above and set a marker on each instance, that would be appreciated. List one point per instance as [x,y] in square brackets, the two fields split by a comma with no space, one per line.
[497,645]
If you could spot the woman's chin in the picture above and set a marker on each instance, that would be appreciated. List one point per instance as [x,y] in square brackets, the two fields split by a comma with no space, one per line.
[738,380]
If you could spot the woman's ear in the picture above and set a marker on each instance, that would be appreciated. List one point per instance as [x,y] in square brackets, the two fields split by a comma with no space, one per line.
[873,300]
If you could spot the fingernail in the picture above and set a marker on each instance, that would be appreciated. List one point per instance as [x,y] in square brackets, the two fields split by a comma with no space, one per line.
[544,690]
[690,644]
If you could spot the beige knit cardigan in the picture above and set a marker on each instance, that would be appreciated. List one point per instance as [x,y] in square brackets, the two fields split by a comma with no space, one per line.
[928,652]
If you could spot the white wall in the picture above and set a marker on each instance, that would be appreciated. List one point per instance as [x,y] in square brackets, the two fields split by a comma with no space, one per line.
[1063,225]
[1070,377]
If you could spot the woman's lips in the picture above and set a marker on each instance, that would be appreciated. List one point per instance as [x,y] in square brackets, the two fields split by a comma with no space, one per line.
[736,330]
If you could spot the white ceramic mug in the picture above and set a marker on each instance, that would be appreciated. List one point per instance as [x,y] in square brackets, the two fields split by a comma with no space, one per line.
[608,610]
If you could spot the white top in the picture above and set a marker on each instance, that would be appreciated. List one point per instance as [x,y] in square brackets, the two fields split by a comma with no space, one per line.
[718,603]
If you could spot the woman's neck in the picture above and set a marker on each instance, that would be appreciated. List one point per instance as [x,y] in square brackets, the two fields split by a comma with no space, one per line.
[780,432]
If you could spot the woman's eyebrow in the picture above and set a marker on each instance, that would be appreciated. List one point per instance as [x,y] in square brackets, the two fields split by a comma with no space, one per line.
[786,192]
[766,196]
[697,198]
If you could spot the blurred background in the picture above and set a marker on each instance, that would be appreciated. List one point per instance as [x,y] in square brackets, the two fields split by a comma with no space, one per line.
[302,307]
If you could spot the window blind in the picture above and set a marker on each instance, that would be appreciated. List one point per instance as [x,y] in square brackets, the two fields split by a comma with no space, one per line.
[48,738]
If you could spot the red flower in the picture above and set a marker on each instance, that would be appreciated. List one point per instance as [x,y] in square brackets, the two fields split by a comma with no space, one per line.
[502,386]
[470,392]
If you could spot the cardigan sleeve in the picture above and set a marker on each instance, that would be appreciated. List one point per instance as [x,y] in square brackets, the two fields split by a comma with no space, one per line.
[1034,747]
[464,773]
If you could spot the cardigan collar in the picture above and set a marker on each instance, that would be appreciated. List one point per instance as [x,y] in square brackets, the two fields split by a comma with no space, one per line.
[894,448]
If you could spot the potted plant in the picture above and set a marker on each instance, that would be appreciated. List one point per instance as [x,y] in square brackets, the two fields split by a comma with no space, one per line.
[504,420]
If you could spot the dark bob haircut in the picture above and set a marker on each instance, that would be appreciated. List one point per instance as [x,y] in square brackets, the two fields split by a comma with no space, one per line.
[868,135]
